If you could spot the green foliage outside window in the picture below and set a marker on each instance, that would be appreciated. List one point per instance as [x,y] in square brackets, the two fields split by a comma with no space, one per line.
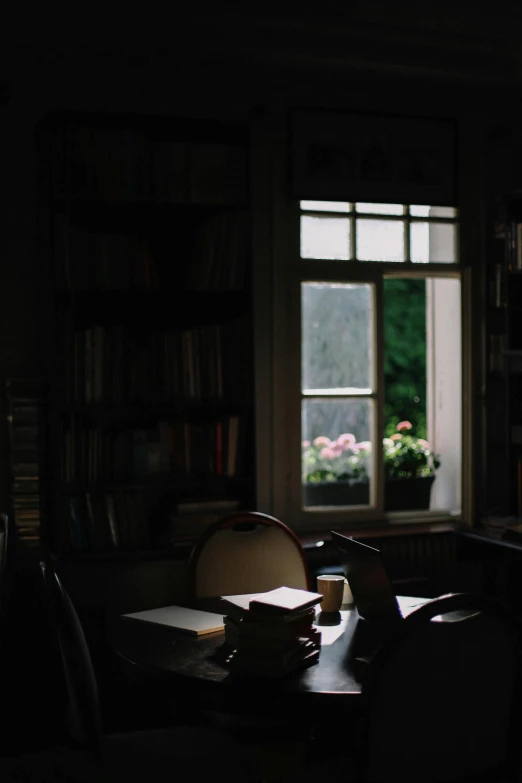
[405,354]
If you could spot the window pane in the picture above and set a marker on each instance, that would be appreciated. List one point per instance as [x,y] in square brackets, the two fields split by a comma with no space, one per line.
[336,336]
[326,206]
[325,237]
[380,209]
[336,452]
[435,242]
[420,242]
[423,392]
[380,240]
[424,211]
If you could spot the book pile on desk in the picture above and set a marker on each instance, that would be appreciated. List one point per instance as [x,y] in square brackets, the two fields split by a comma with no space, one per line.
[272,634]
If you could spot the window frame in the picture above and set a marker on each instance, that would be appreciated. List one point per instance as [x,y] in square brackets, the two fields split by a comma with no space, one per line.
[288,497]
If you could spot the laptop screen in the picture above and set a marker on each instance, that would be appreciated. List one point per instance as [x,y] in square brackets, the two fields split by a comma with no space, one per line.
[371,588]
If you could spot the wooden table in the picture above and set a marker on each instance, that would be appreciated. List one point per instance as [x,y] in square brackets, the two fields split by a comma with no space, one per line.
[197,667]
[177,664]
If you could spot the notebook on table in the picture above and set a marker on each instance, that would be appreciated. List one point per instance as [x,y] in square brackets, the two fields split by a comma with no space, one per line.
[189,621]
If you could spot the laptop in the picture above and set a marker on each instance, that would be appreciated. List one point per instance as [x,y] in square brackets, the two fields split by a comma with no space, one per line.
[371,588]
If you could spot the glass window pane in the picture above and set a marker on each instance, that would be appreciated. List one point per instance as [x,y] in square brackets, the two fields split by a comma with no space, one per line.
[420,242]
[379,209]
[337,337]
[435,242]
[443,212]
[326,206]
[424,211]
[422,393]
[336,452]
[380,240]
[325,237]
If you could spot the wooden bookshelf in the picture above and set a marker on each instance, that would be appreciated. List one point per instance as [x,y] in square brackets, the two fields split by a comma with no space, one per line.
[503,377]
[25,416]
[151,383]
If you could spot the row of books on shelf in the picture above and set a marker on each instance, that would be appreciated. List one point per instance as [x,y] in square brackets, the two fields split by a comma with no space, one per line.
[219,257]
[27,516]
[24,460]
[214,258]
[513,239]
[128,165]
[113,364]
[169,449]
[106,520]
[496,352]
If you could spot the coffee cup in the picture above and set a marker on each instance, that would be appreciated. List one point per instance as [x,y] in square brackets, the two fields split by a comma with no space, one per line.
[332,589]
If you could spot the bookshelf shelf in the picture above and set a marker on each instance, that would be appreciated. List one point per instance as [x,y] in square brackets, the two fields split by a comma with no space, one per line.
[151,388]
[184,484]
[118,411]
[176,308]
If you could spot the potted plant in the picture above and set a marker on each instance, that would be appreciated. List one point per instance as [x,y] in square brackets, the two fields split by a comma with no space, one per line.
[409,470]
[336,472]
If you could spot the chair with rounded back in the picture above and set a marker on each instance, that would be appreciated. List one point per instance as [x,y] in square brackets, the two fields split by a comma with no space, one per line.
[82,713]
[6,546]
[84,753]
[441,697]
[246,552]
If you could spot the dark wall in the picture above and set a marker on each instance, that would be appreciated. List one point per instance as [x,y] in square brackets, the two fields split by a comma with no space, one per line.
[162,81]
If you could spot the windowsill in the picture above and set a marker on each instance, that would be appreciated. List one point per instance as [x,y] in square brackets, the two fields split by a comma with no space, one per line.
[335,519]
[380,530]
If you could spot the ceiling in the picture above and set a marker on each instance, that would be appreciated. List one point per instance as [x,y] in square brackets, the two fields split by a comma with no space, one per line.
[444,40]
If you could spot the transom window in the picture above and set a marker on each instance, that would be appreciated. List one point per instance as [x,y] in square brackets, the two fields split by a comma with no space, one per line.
[346,231]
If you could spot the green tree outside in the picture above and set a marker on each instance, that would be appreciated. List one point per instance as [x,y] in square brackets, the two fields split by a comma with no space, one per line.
[405,354]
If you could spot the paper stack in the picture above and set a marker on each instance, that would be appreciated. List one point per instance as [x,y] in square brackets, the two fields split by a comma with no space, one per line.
[272,634]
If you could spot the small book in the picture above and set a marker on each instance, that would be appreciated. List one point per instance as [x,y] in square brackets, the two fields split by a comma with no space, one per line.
[255,667]
[238,605]
[190,621]
[253,636]
[284,601]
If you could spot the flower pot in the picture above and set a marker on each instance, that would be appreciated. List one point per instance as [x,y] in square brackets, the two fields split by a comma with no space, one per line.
[408,494]
[352,492]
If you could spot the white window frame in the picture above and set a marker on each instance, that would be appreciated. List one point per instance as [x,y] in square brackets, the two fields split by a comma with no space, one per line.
[287,501]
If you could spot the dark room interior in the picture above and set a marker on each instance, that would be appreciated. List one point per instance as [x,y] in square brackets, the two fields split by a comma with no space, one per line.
[241,247]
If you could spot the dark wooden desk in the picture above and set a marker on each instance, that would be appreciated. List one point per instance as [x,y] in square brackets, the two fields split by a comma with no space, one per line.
[176,663]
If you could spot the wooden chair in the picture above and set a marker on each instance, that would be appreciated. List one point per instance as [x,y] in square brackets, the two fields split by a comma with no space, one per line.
[441,698]
[246,552]
[5,563]
[86,753]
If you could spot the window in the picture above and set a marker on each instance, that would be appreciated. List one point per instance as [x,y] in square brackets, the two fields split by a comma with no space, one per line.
[380,359]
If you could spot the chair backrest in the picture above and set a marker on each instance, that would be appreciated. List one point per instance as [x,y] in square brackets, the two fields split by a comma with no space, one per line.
[441,696]
[247,552]
[82,709]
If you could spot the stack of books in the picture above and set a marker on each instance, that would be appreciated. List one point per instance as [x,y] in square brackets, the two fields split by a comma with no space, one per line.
[24,411]
[272,634]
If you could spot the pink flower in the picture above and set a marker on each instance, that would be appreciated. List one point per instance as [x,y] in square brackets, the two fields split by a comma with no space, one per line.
[397,436]
[327,453]
[423,443]
[347,440]
[404,425]
[364,445]
[322,440]
[305,444]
